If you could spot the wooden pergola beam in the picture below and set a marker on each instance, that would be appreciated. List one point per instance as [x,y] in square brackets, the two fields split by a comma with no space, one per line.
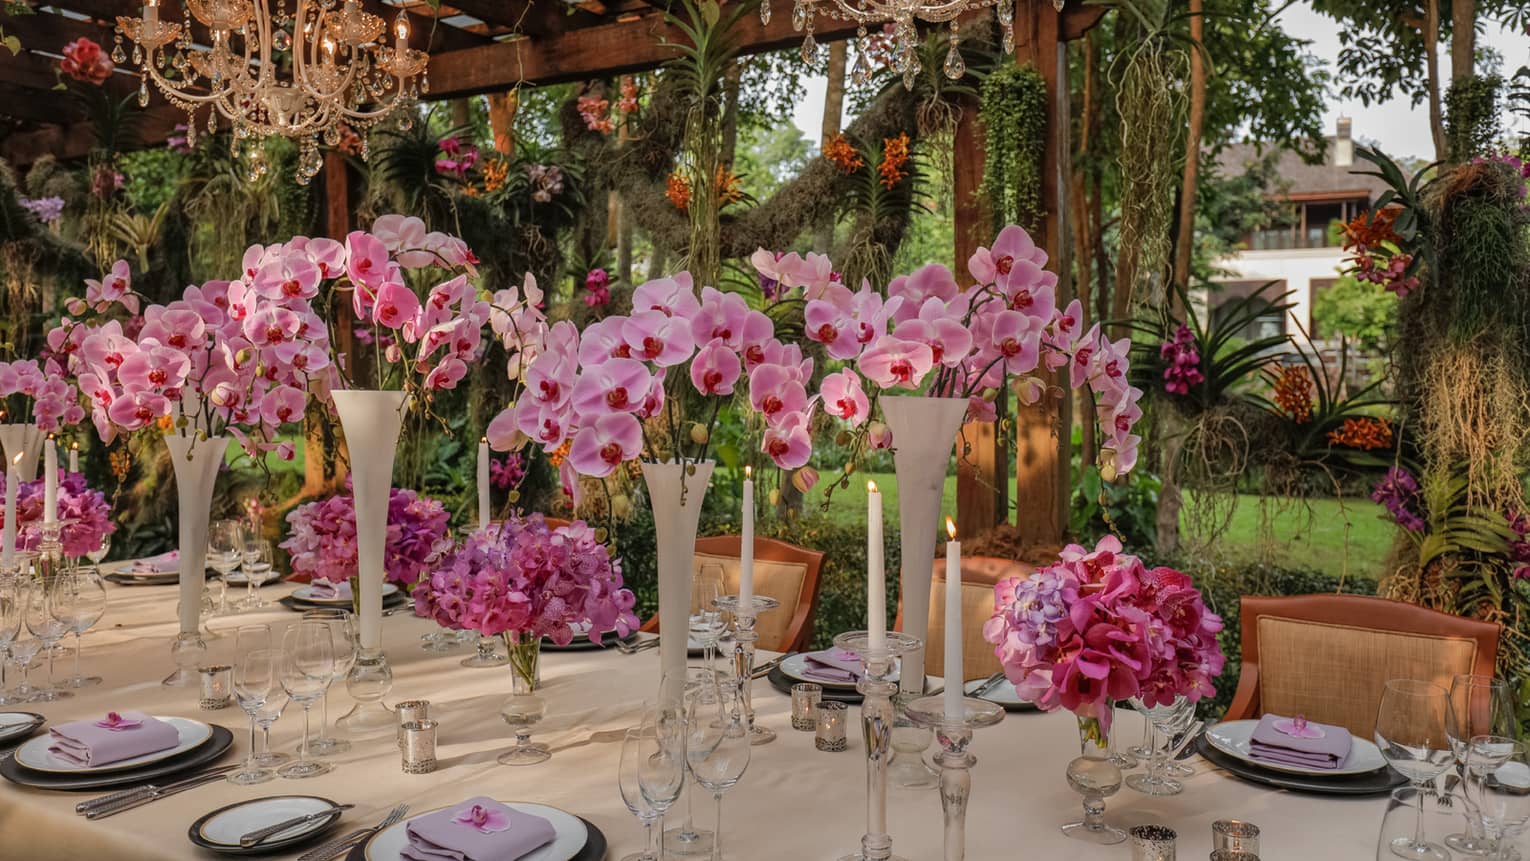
[531,17]
[601,51]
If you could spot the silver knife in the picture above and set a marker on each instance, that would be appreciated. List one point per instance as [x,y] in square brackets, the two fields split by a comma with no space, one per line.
[125,804]
[988,684]
[261,834]
[764,669]
[84,806]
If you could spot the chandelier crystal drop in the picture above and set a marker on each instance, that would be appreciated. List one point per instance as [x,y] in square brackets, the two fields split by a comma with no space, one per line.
[302,75]
[899,17]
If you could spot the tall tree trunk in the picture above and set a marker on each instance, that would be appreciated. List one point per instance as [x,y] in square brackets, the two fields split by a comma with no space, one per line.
[502,108]
[624,226]
[833,110]
[731,80]
[1463,39]
[461,113]
[659,261]
[1084,236]
[1432,62]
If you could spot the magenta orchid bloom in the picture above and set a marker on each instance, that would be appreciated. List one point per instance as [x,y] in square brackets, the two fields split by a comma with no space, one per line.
[116,722]
[482,819]
[716,369]
[615,386]
[844,399]
[895,363]
[605,444]
[788,442]
[721,316]
[115,286]
[658,337]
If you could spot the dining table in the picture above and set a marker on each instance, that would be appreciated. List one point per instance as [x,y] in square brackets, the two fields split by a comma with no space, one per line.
[794,801]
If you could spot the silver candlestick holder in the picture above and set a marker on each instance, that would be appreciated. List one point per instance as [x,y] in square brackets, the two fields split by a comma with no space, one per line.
[876,688]
[955,735]
[49,562]
[744,637]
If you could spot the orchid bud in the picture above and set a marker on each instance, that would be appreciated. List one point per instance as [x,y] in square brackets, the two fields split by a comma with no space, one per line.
[1108,465]
[621,505]
[990,394]
[699,434]
[76,306]
[805,479]
[775,497]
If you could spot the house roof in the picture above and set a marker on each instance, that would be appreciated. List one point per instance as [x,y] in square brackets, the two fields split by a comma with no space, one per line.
[1303,181]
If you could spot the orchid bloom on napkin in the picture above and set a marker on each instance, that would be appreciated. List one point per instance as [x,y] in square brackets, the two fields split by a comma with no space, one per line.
[484,819]
[1298,727]
[117,723]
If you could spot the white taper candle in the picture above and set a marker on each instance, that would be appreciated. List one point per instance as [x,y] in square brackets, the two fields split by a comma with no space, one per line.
[953,668]
[876,578]
[484,514]
[746,544]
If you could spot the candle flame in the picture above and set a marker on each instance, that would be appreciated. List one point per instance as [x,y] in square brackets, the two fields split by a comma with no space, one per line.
[749,472]
[401,28]
[951,528]
[17,459]
[483,439]
[871,487]
[75,446]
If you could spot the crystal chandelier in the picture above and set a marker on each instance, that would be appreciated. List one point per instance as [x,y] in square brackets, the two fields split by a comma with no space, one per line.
[901,14]
[300,76]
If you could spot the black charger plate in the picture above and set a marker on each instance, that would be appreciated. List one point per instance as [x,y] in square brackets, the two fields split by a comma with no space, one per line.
[396,599]
[166,579]
[581,643]
[1378,782]
[783,683]
[195,833]
[594,845]
[204,754]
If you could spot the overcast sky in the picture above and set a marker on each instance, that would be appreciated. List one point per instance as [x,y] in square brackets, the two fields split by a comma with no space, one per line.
[1401,129]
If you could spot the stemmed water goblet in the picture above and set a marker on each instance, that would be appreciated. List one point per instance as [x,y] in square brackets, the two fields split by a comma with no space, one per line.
[24,651]
[12,611]
[256,675]
[1410,730]
[700,687]
[255,563]
[308,666]
[706,621]
[48,630]
[1498,780]
[265,718]
[651,774]
[717,748]
[1169,721]
[78,602]
[101,549]
[342,631]
[1478,705]
[225,549]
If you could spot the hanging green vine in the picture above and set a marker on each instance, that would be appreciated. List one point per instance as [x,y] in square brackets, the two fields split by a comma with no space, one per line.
[1471,116]
[1013,110]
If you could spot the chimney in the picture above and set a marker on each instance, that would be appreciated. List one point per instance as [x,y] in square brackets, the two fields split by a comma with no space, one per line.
[1344,145]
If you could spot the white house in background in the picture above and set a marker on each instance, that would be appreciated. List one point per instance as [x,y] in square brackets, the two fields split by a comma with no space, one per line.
[1302,254]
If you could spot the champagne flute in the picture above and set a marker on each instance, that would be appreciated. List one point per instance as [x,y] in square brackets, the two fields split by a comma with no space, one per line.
[255,562]
[1410,730]
[1479,705]
[651,773]
[700,687]
[1169,722]
[342,632]
[718,753]
[225,547]
[308,666]
[48,630]
[255,677]
[1498,776]
[706,621]
[12,611]
[79,602]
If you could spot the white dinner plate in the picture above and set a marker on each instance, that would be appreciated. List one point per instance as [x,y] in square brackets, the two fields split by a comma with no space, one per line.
[127,570]
[796,667]
[1003,693]
[17,724]
[236,578]
[1231,738]
[34,754]
[569,838]
[305,594]
[225,827]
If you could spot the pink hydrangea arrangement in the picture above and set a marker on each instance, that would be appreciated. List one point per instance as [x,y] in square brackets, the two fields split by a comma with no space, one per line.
[84,512]
[37,393]
[1099,627]
[322,542]
[931,335]
[520,577]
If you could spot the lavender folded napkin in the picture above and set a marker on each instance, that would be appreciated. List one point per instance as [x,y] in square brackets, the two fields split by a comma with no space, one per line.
[325,589]
[164,563]
[479,829]
[1297,741]
[833,665]
[116,737]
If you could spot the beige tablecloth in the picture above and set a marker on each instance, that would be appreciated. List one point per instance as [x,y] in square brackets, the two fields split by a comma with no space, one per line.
[793,803]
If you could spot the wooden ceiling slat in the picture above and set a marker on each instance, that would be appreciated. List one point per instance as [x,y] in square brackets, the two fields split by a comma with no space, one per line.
[76,139]
[532,17]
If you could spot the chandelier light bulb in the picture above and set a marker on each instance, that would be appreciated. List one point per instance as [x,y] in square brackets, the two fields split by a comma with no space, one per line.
[401,30]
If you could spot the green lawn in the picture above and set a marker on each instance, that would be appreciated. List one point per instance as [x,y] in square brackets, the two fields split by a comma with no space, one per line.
[1311,535]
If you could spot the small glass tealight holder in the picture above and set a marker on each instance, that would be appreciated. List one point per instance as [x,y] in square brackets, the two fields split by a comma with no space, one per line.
[832,717]
[1232,835]
[1230,855]
[419,746]
[217,686]
[1152,842]
[410,710]
[805,699]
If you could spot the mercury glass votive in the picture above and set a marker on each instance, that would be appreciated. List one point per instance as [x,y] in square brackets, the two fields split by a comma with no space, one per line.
[832,717]
[805,699]
[1228,855]
[419,754]
[1232,835]
[410,710]
[1152,842]
[217,686]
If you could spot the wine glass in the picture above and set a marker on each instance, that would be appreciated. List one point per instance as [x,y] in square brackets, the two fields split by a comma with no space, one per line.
[717,749]
[48,630]
[343,633]
[1410,730]
[700,684]
[24,650]
[308,666]
[651,773]
[255,562]
[1169,722]
[79,602]
[1498,776]
[706,621]
[265,718]
[104,547]
[225,549]
[12,611]
[1479,705]
[255,677]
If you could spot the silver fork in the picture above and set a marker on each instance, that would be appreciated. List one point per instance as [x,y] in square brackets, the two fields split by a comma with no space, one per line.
[340,844]
[633,648]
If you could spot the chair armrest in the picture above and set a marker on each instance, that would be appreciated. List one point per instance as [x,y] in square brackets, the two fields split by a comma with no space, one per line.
[1245,701]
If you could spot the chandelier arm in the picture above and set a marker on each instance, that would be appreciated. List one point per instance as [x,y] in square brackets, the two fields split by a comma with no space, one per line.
[165,86]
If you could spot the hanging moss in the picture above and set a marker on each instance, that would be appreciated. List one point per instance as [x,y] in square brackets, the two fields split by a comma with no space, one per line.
[1471,116]
[1013,111]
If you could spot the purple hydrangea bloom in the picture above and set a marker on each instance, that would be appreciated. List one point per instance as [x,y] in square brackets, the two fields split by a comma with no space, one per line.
[85,513]
[323,537]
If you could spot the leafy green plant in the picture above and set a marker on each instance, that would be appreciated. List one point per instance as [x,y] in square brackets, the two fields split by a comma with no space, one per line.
[1362,311]
[1013,110]
[1127,508]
